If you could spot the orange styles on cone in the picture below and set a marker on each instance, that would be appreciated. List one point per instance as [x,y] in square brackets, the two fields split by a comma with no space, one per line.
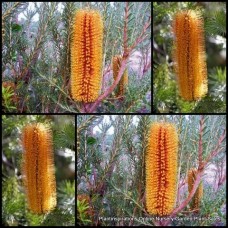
[161,169]
[38,168]
[195,203]
[121,88]
[189,55]
[86,56]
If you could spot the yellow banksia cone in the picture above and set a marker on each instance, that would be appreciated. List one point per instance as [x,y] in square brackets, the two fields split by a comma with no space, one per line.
[121,87]
[86,56]
[195,203]
[38,168]
[189,55]
[161,169]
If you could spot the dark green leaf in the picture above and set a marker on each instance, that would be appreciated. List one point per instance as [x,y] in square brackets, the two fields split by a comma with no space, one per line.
[91,140]
[16,27]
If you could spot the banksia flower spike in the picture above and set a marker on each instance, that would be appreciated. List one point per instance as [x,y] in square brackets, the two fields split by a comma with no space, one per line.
[38,168]
[86,56]
[121,88]
[161,169]
[195,203]
[189,55]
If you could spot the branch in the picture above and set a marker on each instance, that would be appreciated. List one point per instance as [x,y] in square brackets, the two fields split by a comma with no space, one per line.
[125,31]
[110,89]
[217,149]
[11,10]
[141,36]
[200,151]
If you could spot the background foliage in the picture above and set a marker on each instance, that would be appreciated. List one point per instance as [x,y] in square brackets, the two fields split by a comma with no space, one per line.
[110,168]
[14,205]
[166,98]
[36,56]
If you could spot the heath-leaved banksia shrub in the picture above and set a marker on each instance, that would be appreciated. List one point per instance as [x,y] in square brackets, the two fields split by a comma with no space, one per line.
[195,202]
[161,169]
[189,55]
[121,87]
[86,56]
[38,168]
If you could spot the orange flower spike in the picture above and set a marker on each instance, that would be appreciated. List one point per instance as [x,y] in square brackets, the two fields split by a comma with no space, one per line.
[161,169]
[86,56]
[38,168]
[195,203]
[124,79]
[189,55]
[116,65]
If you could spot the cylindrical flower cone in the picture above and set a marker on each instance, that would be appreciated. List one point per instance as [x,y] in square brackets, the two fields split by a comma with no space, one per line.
[86,56]
[189,55]
[121,87]
[161,169]
[38,168]
[195,203]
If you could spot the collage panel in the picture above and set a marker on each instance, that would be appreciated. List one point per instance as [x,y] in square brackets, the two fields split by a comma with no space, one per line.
[76,57]
[151,170]
[38,170]
[189,57]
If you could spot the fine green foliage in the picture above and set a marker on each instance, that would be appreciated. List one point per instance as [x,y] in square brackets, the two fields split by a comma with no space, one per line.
[66,137]
[218,201]
[83,121]
[138,96]
[164,93]
[217,83]
[10,8]
[82,207]
[59,218]
[210,105]
[7,96]
[216,23]
[13,202]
